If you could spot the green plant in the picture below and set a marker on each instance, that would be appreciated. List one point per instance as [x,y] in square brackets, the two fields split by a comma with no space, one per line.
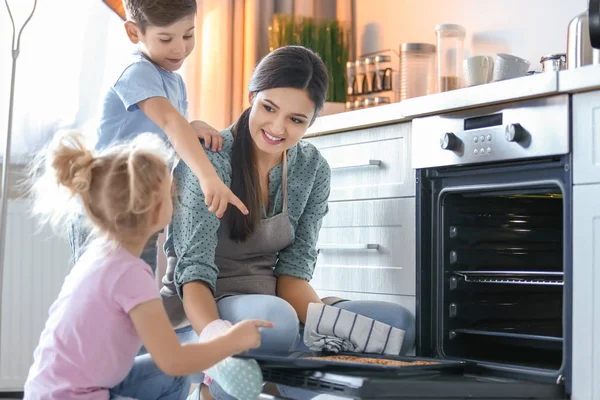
[329,38]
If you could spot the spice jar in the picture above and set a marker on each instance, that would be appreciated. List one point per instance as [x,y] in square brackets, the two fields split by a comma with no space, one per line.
[350,76]
[359,77]
[382,80]
[369,74]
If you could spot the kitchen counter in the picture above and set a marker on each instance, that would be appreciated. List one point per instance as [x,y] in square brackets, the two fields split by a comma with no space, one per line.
[539,85]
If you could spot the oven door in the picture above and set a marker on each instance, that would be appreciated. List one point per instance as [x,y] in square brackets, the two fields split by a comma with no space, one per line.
[471,384]
[494,268]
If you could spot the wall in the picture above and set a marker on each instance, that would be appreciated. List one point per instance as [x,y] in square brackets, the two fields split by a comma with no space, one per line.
[526,28]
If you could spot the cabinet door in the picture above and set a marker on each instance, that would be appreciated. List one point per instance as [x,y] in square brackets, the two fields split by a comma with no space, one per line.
[586,138]
[369,163]
[368,247]
[586,293]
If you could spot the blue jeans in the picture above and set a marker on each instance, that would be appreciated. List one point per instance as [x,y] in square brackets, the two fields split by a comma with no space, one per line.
[147,382]
[286,336]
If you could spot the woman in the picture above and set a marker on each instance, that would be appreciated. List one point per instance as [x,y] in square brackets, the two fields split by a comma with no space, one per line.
[259,266]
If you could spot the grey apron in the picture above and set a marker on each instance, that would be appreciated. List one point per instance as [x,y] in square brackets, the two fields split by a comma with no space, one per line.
[244,267]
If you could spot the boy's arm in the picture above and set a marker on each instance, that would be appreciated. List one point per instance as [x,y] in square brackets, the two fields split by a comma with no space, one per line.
[183,138]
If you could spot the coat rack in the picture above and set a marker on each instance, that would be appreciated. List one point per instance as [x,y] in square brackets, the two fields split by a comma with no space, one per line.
[15,48]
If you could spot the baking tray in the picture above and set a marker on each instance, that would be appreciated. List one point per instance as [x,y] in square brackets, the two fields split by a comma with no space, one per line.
[301,361]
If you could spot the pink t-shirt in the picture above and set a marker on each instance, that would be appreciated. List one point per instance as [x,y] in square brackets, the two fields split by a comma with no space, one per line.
[89,342]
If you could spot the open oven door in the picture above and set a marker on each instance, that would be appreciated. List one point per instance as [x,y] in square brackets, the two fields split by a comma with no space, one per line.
[441,380]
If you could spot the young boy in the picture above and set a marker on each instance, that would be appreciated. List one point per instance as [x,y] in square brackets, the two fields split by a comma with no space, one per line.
[149,96]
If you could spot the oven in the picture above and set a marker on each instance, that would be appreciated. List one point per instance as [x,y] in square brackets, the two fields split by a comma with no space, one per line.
[494,270]
[494,246]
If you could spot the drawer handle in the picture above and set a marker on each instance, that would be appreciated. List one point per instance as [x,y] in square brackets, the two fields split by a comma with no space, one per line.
[368,246]
[368,163]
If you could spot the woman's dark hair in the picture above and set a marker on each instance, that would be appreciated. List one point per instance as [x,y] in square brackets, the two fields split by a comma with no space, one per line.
[286,67]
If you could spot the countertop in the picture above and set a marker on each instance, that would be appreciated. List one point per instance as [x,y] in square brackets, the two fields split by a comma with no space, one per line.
[538,85]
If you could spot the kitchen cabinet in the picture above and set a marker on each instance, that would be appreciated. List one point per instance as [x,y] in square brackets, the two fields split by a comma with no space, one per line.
[367,242]
[586,298]
[369,163]
[586,137]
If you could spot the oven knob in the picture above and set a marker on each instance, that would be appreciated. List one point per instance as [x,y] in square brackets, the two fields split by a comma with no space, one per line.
[514,132]
[449,141]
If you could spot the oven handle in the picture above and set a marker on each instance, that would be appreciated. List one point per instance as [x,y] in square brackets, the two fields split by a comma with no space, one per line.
[368,163]
[360,246]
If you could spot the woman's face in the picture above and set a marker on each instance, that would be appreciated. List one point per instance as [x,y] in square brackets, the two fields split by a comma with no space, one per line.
[279,118]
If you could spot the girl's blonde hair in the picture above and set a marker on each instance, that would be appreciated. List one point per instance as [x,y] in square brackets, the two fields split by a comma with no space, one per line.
[119,189]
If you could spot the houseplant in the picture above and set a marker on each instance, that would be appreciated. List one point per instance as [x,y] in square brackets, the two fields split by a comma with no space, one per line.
[329,38]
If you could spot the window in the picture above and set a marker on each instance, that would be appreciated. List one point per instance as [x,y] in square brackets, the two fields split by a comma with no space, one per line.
[70,52]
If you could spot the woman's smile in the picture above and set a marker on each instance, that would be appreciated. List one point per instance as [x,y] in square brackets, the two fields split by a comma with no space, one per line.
[271,139]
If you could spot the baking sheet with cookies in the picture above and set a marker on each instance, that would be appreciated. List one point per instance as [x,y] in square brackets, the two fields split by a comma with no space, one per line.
[357,363]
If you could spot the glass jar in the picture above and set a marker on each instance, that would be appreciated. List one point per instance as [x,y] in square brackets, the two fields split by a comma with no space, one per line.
[382,80]
[417,70]
[369,74]
[554,62]
[359,77]
[450,54]
[350,76]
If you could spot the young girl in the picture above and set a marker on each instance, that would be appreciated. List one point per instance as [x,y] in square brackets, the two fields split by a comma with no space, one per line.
[109,304]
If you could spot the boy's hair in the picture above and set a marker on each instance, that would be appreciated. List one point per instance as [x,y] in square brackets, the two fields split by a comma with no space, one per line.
[147,13]
[119,189]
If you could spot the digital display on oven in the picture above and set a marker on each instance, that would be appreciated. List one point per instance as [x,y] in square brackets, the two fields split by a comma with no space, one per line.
[484,121]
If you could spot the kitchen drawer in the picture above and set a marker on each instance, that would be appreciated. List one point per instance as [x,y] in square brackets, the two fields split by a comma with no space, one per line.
[369,163]
[368,246]
[359,278]
[586,138]
[378,212]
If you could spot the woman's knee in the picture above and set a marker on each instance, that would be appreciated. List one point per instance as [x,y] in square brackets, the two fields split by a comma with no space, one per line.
[284,335]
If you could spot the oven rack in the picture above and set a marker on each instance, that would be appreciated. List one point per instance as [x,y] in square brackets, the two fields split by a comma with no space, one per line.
[513,277]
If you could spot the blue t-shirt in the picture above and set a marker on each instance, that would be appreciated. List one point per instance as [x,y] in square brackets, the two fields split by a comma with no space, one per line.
[121,119]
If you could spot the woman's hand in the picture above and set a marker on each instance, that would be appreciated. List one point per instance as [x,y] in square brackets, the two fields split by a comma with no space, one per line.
[212,138]
[217,196]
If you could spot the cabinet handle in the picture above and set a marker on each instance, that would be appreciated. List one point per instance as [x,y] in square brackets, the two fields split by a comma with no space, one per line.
[368,163]
[367,246]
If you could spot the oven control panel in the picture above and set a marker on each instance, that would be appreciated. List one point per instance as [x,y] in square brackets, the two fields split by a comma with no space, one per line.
[520,130]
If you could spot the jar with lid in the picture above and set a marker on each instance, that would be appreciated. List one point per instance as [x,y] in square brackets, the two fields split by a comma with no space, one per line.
[359,77]
[450,54]
[554,62]
[382,80]
[350,76]
[417,70]
[369,74]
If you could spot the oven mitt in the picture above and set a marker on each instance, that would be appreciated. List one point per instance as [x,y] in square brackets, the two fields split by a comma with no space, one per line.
[241,379]
[333,329]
